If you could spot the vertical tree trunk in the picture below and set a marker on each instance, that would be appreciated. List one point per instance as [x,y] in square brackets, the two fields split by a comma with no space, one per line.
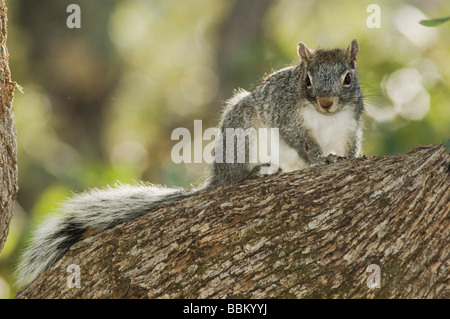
[8,136]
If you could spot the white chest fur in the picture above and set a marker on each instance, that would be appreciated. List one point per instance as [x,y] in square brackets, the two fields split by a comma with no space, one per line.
[281,155]
[331,131]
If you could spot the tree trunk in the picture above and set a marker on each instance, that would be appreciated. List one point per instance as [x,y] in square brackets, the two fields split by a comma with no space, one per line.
[306,234]
[8,136]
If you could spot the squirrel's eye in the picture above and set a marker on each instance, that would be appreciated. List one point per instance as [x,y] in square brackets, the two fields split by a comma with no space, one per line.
[347,79]
[308,81]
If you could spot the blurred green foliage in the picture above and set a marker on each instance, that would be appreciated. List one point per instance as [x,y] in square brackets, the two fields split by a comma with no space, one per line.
[434,22]
[100,102]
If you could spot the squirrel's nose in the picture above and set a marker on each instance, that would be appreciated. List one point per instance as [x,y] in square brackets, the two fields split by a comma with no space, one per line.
[325,102]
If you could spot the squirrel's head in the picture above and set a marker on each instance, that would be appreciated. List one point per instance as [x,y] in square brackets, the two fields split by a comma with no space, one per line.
[329,78]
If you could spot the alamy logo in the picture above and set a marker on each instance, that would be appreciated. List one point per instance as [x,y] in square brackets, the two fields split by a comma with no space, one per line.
[74,19]
[374,279]
[239,145]
[74,279]
[374,19]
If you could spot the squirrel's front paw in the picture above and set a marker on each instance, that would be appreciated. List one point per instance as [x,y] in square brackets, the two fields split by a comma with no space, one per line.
[329,159]
[264,170]
[333,158]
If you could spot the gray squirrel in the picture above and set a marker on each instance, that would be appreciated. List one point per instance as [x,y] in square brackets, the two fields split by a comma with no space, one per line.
[316,105]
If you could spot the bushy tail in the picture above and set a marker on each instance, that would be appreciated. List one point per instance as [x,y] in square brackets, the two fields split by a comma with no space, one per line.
[98,209]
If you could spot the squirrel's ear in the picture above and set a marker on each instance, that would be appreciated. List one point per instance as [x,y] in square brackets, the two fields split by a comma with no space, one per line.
[303,52]
[352,52]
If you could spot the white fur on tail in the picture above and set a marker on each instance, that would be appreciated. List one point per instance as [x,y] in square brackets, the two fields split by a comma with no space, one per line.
[97,209]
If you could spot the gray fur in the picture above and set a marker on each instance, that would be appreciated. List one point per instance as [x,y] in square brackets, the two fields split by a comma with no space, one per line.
[96,210]
[278,101]
[283,101]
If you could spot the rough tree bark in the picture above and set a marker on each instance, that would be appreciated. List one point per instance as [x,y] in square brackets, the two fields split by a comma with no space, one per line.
[8,136]
[304,234]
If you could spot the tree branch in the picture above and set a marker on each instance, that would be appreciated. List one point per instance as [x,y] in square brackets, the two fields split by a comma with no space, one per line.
[305,234]
[8,135]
